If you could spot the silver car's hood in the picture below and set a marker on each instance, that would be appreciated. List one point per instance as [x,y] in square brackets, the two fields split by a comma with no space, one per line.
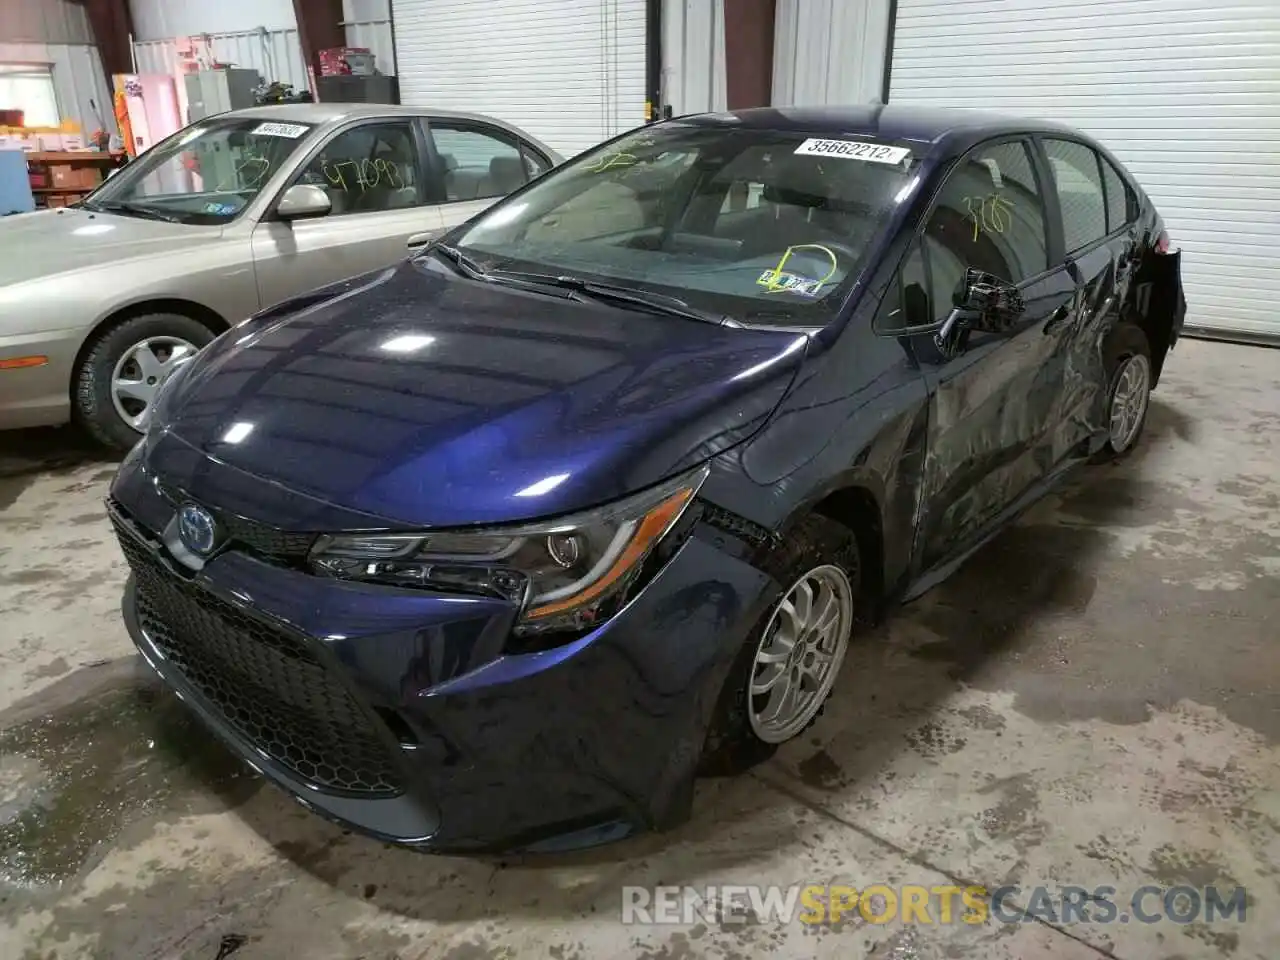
[51,242]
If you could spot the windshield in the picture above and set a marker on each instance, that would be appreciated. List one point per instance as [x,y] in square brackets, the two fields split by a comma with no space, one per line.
[762,226]
[205,174]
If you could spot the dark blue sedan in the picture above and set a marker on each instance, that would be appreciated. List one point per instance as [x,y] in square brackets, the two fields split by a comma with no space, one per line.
[500,547]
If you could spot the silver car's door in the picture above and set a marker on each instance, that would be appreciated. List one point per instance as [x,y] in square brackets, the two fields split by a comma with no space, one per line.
[374,176]
[474,164]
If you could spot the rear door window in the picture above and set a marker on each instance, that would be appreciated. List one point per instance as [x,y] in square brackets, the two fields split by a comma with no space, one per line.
[1120,201]
[1078,180]
[479,162]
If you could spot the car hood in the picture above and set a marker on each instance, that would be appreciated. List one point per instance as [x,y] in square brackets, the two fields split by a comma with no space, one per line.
[421,398]
[51,242]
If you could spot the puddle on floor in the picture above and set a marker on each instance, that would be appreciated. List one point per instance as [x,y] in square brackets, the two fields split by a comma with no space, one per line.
[102,750]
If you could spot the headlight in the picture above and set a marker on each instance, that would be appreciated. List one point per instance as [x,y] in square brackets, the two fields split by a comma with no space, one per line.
[561,573]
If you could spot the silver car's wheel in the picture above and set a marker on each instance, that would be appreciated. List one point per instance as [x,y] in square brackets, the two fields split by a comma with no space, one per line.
[1129,401]
[139,373]
[799,654]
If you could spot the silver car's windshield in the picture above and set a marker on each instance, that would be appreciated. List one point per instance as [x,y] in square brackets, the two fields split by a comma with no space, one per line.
[205,174]
[758,225]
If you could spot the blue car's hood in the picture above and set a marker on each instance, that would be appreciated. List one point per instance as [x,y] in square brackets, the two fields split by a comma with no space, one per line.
[425,399]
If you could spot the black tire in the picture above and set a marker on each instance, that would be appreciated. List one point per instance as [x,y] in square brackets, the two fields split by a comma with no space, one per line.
[91,387]
[1128,341]
[731,745]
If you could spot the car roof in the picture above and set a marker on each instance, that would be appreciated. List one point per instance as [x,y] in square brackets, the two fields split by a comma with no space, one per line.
[334,113]
[327,112]
[923,124]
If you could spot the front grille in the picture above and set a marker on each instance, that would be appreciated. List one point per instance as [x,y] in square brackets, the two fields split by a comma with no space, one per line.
[267,683]
[267,541]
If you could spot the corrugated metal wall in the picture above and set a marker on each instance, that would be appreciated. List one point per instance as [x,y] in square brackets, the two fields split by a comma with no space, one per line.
[570,72]
[829,51]
[367,23]
[56,33]
[693,53]
[162,19]
[275,54]
[44,21]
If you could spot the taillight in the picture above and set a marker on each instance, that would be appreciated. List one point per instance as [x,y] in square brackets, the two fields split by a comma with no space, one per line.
[1162,242]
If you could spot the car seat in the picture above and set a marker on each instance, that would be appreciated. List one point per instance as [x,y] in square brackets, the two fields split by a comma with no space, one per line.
[506,174]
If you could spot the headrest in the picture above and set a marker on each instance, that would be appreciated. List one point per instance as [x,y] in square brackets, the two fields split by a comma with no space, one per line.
[449,161]
[506,167]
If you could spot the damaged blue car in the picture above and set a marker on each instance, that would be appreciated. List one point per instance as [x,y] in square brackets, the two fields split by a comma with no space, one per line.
[501,547]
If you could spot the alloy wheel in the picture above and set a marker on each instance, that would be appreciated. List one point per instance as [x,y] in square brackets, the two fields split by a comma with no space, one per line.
[799,654]
[141,371]
[1129,401]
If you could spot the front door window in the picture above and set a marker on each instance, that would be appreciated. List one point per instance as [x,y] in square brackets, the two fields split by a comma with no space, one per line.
[368,169]
[990,216]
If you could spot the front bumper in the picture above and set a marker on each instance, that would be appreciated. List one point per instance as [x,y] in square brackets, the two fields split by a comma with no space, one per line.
[400,713]
[37,396]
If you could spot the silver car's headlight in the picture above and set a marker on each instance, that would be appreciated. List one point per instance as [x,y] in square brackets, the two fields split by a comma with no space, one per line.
[561,573]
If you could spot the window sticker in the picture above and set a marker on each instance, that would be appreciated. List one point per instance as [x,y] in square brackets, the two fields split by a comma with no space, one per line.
[853,150]
[220,209]
[778,280]
[291,131]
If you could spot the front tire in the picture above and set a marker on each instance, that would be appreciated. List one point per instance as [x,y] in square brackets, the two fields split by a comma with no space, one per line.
[123,369]
[782,677]
[1128,363]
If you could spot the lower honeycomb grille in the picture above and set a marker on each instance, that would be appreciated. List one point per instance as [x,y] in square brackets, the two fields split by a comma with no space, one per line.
[266,683]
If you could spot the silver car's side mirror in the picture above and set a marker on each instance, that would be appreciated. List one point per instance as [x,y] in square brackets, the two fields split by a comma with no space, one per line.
[303,200]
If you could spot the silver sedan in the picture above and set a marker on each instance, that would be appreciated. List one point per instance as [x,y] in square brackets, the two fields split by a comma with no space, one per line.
[99,301]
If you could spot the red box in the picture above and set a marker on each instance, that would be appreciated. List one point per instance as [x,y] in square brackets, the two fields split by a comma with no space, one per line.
[333,60]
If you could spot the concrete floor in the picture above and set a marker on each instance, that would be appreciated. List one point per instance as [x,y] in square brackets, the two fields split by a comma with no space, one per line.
[1093,700]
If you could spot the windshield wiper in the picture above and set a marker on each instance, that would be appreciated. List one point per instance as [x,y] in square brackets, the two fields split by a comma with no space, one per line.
[135,209]
[616,294]
[466,266]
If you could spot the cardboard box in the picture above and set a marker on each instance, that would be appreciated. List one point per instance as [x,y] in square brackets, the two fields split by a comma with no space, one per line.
[63,177]
[67,177]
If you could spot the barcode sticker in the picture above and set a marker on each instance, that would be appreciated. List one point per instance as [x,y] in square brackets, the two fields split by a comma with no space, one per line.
[853,150]
[291,130]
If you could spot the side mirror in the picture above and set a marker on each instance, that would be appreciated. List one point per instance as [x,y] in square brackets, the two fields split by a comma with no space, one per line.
[985,303]
[303,201]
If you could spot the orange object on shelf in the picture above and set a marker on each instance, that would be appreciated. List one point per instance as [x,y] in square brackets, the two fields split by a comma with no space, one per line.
[121,105]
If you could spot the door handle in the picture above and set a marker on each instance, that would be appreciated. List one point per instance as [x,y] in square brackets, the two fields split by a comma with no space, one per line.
[421,239]
[1057,318]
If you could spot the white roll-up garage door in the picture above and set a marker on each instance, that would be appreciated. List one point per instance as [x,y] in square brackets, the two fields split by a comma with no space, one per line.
[571,72]
[1185,92]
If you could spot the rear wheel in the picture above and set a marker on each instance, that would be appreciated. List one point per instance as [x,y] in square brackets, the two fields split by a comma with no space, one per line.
[1128,392]
[784,673]
[123,370]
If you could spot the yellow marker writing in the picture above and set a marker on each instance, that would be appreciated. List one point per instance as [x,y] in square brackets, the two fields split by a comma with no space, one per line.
[992,214]
[610,161]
